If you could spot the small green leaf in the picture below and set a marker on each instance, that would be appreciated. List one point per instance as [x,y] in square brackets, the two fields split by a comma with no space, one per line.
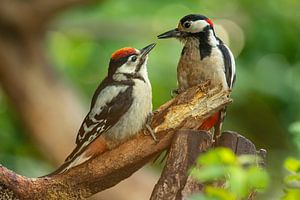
[238,181]
[291,178]
[257,178]
[248,159]
[220,193]
[209,173]
[202,197]
[292,165]
[217,156]
[227,156]
[291,194]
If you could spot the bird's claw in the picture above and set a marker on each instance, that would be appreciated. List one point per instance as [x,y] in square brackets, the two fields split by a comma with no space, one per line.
[149,130]
[174,93]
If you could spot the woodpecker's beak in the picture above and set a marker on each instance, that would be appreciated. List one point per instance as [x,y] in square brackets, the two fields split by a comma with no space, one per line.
[145,51]
[170,34]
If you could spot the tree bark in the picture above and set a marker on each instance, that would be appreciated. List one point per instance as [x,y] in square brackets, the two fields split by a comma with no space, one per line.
[175,182]
[185,148]
[187,110]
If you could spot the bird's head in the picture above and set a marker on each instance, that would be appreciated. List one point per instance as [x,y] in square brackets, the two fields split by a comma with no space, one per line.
[129,60]
[189,26]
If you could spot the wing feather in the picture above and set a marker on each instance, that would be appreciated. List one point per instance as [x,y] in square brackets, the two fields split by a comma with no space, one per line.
[229,64]
[106,112]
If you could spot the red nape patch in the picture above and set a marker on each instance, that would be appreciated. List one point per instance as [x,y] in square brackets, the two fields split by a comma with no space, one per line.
[121,53]
[210,22]
[210,122]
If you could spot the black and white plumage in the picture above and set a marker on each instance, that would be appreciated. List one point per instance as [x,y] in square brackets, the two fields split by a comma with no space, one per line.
[204,58]
[119,107]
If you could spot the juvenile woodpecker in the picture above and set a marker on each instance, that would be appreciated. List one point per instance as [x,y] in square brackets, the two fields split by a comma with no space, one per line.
[204,57]
[119,109]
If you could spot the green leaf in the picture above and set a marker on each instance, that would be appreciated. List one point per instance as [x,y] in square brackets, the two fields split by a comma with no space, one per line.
[209,173]
[291,178]
[227,156]
[220,193]
[248,159]
[238,181]
[202,197]
[292,164]
[257,178]
[217,156]
[291,194]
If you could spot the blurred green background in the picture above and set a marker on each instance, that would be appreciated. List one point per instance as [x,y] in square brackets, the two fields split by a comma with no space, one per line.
[264,37]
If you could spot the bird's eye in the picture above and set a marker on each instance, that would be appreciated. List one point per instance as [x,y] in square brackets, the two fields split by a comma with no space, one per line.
[133,58]
[187,24]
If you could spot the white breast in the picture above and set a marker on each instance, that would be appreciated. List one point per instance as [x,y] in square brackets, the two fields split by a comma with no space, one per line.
[134,120]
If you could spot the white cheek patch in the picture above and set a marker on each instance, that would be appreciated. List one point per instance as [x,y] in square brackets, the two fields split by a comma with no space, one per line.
[198,26]
[137,51]
[126,68]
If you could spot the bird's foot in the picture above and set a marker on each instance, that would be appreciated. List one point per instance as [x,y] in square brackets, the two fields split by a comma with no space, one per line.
[149,130]
[174,93]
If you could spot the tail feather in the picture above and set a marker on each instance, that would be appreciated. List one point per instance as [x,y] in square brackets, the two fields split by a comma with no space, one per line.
[70,164]
[81,154]
[215,121]
[210,122]
[71,161]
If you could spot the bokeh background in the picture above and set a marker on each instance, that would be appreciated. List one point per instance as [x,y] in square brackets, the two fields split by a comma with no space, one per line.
[75,48]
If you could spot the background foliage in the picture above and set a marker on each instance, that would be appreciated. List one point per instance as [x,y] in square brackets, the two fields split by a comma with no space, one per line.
[239,175]
[264,37]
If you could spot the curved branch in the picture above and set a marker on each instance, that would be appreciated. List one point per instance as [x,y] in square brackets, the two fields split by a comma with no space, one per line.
[187,110]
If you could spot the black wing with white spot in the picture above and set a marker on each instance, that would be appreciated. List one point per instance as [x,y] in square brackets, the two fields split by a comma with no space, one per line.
[229,64]
[105,113]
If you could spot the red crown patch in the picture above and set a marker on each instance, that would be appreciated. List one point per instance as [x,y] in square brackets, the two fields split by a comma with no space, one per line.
[121,53]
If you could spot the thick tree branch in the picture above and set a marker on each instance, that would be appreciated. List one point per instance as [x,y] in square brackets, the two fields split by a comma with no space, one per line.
[187,110]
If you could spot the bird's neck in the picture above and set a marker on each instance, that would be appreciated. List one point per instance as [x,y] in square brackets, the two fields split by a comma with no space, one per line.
[203,41]
[127,77]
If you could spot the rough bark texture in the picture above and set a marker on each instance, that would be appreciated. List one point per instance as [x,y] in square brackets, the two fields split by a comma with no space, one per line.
[187,110]
[175,183]
[185,148]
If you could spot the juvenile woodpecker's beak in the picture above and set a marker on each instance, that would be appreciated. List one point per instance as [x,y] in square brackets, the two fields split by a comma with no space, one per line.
[170,34]
[144,51]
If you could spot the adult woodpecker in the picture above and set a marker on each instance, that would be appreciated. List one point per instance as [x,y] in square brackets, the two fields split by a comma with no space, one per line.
[204,57]
[119,109]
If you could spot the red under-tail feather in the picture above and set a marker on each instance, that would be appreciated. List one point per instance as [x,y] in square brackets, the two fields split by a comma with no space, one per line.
[210,122]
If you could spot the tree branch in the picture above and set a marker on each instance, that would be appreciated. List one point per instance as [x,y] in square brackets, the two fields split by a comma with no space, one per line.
[187,110]
[185,148]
